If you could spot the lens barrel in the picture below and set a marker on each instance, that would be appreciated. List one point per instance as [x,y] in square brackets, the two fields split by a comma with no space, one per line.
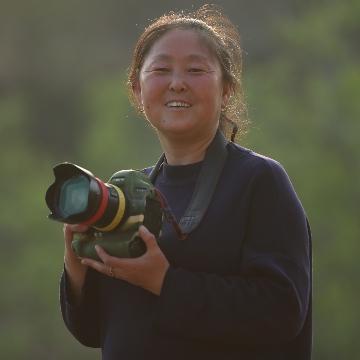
[78,197]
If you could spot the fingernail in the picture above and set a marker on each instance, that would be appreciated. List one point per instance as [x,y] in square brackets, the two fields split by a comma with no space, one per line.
[83,262]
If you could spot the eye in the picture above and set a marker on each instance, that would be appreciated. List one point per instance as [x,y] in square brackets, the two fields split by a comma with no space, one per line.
[161,69]
[196,70]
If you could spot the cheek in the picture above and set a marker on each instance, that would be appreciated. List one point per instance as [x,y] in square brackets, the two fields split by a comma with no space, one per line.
[210,91]
[151,89]
[207,83]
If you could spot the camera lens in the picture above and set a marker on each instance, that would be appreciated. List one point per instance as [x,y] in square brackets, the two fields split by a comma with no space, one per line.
[74,195]
[78,197]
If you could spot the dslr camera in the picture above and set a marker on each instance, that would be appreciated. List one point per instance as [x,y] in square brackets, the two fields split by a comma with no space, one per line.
[113,210]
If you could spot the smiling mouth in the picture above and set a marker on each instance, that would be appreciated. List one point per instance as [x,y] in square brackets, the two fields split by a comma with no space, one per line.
[177,104]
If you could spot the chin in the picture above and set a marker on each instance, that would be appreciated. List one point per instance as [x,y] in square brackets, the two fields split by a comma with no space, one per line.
[176,126]
[184,133]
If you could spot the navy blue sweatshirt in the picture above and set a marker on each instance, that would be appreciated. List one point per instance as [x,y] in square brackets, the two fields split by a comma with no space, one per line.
[239,287]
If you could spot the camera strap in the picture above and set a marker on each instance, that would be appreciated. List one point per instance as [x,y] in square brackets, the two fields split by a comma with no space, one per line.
[210,172]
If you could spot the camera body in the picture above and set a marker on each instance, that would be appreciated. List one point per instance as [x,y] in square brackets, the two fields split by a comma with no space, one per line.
[113,210]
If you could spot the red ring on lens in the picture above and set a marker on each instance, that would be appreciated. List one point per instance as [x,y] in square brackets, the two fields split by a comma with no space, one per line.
[102,206]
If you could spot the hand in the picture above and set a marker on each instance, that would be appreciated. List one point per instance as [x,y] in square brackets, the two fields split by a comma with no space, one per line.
[75,270]
[69,231]
[147,271]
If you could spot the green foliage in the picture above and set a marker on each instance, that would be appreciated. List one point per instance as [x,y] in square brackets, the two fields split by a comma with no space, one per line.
[306,112]
[115,137]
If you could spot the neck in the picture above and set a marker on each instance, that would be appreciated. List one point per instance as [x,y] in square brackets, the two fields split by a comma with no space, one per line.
[183,152]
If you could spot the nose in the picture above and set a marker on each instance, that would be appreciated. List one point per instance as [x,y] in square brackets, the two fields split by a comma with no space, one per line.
[177,82]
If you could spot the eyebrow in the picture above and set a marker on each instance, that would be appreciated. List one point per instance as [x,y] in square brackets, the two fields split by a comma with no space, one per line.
[192,57]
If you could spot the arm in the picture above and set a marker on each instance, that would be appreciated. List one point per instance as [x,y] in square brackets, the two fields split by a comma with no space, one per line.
[267,300]
[78,295]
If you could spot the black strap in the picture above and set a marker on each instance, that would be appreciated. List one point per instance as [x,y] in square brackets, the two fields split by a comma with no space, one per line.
[210,172]
[156,169]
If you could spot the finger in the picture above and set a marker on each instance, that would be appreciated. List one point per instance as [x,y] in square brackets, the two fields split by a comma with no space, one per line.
[68,234]
[115,262]
[106,269]
[78,227]
[148,237]
[96,265]
[69,229]
[105,257]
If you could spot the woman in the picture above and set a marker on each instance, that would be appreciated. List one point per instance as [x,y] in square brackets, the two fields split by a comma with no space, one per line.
[239,285]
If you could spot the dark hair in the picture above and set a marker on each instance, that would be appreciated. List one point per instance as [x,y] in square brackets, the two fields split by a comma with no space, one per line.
[223,40]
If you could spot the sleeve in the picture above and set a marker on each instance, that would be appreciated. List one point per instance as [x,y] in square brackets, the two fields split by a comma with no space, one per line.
[266,302]
[82,319]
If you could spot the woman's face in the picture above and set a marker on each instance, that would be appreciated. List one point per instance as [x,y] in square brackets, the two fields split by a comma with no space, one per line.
[180,86]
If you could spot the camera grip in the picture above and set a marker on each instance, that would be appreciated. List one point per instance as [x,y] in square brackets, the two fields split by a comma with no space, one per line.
[124,244]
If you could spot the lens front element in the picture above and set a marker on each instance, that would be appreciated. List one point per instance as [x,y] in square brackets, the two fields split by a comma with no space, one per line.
[73,197]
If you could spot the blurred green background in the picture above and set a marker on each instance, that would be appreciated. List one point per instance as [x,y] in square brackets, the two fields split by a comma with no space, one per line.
[63,98]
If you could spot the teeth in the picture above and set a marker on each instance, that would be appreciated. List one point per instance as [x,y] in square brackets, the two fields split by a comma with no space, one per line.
[177,104]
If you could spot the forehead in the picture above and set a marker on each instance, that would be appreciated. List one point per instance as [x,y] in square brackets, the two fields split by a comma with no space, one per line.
[181,44]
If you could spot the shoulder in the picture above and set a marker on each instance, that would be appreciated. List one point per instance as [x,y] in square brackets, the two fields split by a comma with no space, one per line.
[255,165]
[266,178]
[259,174]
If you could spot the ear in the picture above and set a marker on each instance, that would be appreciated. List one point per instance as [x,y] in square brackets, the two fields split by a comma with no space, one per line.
[137,92]
[226,95]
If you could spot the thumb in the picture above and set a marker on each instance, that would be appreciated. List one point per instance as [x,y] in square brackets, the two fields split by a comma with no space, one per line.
[148,237]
